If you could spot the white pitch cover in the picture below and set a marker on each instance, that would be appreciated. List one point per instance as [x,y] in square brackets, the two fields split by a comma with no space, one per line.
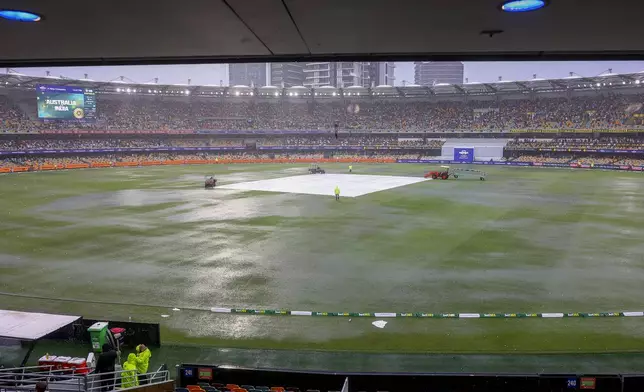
[31,326]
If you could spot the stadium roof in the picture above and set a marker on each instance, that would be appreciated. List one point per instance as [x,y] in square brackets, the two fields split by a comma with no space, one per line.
[167,31]
[607,81]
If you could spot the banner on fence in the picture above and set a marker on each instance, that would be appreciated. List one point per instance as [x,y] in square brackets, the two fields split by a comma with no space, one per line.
[463,155]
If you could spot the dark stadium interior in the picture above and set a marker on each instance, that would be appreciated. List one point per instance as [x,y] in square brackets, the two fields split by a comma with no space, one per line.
[247,30]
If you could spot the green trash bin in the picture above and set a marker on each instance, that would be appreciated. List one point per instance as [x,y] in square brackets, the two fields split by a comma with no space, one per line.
[98,335]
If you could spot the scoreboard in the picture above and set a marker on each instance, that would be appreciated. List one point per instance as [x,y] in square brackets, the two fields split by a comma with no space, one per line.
[66,103]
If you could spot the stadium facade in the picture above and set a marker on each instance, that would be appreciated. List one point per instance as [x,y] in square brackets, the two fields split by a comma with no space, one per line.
[576,121]
[536,88]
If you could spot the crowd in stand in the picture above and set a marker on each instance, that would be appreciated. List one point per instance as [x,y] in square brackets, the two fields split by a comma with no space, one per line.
[344,140]
[58,144]
[138,158]
[147,157]
[543,158]
[366,140]
[147,113]
[628,162]
[616,143]
[598,112]
[586,160]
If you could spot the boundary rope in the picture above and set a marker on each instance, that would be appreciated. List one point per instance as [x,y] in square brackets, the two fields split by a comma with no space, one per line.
[283,312]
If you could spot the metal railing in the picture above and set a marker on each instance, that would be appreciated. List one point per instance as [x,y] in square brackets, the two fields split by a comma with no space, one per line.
[71,380]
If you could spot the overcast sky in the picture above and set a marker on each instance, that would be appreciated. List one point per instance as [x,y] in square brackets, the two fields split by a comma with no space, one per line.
[217,73]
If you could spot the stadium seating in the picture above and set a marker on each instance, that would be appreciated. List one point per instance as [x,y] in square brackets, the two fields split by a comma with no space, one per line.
[153,113]
[402,129]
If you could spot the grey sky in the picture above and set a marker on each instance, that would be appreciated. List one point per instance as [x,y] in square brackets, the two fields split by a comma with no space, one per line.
[216,73]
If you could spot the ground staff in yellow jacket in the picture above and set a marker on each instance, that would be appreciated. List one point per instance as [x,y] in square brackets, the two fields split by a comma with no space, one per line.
[143,355]
[337,192]
[128,375]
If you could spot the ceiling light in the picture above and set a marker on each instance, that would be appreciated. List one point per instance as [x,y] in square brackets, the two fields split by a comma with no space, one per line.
[522,5]
[20,16]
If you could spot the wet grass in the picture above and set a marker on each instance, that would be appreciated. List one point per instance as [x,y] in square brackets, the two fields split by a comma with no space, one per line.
[525,240]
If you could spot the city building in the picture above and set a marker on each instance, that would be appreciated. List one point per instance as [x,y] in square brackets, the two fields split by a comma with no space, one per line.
[428,73]
[253,74]
[286,74]
[319,74]
[379,74]
[348,74]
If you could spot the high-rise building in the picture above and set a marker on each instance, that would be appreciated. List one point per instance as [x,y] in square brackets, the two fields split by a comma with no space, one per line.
[319,74]
[350,73]
[252,74]
[346,74]
[427,73]
[380,74]
[286,74]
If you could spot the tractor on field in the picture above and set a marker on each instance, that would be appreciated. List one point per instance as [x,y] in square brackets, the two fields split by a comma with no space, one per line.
[455,173]
[210,182]
[314,168]
[443,175]
[435,174]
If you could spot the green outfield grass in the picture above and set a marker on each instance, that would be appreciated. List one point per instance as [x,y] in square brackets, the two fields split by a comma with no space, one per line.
[525,240]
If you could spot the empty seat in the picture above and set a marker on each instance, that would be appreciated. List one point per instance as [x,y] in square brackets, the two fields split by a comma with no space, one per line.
[277,389]
[217,385]
[262,388]
[248,387]
[210,389]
